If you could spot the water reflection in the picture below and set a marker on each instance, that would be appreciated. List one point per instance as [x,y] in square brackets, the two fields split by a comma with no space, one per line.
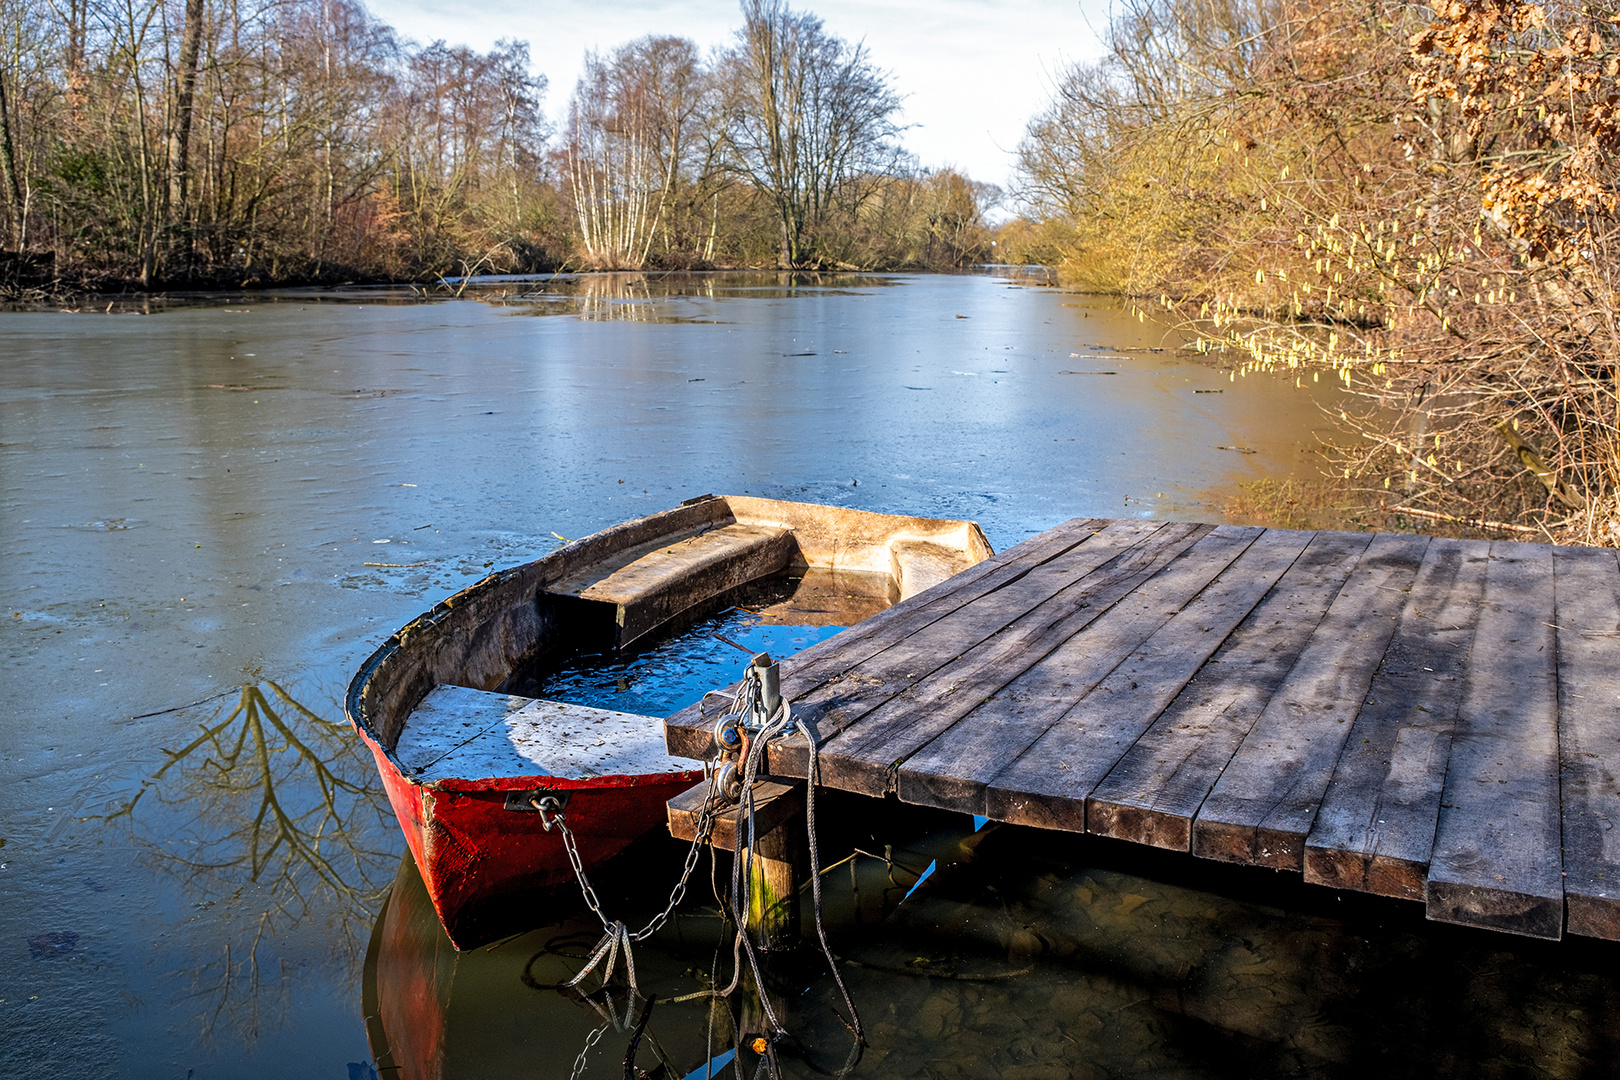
[612,296]
[780,615]
[476,437]
[436,1014]
[655,298]
[1025,954]
[272,821]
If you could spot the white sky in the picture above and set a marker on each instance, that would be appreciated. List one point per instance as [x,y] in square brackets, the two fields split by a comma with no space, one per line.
[973,71]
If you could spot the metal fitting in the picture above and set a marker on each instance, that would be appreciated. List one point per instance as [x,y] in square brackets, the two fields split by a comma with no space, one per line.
[728,734]
[549,804]
[728,781]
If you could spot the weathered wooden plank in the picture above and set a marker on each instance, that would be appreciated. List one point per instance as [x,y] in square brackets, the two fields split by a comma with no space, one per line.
[682,574]
[1496,861]
[1375,830]
[864,679]
[1157,786]
[1009,627]
[458,733]
[687,734]
[1587,585]
[1044,660]
[1145,685]
[448,718]
[1264,804]
[954,770]
[774,804]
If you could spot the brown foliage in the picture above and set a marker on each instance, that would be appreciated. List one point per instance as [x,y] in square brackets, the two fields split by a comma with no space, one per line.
[166,142]
[1422,209]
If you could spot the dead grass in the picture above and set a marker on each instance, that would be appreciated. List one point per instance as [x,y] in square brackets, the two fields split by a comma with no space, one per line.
[1294,502]
[1316,502]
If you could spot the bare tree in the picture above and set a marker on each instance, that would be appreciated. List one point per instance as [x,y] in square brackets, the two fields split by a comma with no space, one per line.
[469,134]
[630,145]
[809,121]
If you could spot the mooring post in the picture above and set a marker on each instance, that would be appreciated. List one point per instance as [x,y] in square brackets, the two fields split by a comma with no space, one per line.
[777,856]
[773,886]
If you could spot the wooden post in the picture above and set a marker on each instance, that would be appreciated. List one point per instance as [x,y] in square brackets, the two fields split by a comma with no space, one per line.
[773,915]
[773,887]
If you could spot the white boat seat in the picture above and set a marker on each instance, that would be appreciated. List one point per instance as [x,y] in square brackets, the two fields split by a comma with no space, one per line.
[461,733]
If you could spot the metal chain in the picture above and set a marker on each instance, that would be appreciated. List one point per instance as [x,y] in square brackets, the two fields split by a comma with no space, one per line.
[590,1041]
[748,699]
[705,827]
[616,935]
[559,819]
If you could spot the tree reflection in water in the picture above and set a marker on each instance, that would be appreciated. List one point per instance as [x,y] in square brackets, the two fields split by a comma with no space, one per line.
[274,822]
[634,296]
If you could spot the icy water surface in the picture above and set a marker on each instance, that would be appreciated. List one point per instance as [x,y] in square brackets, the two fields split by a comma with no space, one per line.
[212,512]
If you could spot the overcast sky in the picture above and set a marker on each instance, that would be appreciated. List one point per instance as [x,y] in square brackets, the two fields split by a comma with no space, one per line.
[972,71]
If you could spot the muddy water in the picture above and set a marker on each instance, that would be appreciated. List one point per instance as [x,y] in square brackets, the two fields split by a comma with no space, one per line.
[1021,955]
[210,512]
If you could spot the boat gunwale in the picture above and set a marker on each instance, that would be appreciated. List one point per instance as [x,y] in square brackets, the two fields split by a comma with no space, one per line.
[690,516]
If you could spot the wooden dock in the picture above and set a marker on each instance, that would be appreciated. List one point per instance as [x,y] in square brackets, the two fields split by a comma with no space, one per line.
[1430,719]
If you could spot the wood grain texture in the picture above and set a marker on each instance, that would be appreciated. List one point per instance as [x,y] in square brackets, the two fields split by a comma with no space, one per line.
[845,699]
[956,768]
[775,804]
[684,573]
[1424,719]
[1158,785]
[1496,860]
[1145,684]
[687,733]
[1587,585]
[979,656]
[1375,830]
[1262,807]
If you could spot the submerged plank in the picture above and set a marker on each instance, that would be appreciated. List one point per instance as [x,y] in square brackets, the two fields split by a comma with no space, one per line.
[955,769]
[1496,861]
[1156,788]
[973,652]
[1262,807]
[1588,618]
[688,733]
[1375,830]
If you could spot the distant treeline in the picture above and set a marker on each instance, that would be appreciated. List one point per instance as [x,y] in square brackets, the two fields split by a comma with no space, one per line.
[1422,202]
[203,142]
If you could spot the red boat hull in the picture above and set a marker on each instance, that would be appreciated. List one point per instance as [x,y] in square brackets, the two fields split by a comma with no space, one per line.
[481,860]
[483,863]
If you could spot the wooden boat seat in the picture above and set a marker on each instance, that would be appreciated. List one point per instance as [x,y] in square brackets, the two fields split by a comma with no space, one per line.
[653,583]
[460,733]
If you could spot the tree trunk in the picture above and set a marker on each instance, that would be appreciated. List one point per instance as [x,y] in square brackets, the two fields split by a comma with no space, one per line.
[185,95]
[77,26]
[8,165]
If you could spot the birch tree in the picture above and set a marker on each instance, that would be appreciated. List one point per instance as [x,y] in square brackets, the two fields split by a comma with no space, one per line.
[630,145]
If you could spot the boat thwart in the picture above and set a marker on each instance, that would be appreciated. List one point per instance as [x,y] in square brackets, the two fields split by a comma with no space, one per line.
[466,762]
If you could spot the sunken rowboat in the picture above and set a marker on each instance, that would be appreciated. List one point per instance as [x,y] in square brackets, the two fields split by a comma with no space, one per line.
[466,760]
